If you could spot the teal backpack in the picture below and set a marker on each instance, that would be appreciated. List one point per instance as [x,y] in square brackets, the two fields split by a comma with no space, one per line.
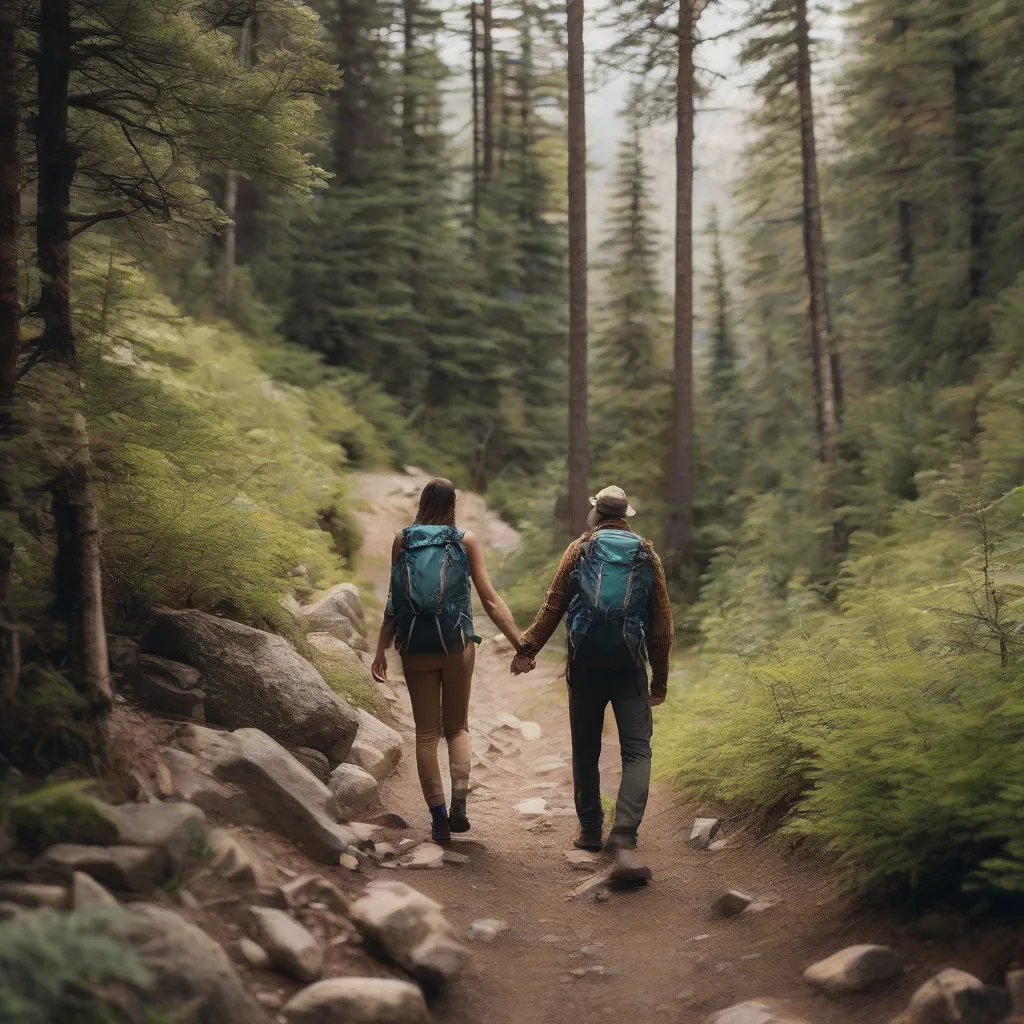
[610,604]
[431,598]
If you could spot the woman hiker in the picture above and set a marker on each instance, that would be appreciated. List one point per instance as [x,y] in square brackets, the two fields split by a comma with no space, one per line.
[429,618]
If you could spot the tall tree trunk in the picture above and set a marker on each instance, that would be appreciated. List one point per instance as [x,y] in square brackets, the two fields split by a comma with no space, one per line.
[77,571]
[488,126]
[229,238]
[504,118]
[408,84]
[10,323]
[679,531]
[577,182]
[814,250]
[474,62]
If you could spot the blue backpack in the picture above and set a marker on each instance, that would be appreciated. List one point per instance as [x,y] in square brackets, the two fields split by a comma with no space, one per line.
[609,610]
[431,598]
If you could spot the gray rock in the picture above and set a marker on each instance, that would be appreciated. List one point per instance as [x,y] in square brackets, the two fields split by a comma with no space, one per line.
[179,830]
[253,954]
[485,930]
[377,747]
[349,861]
[188,968]
[594,882]
[234,860]
[424,856]
[167,687]
[29,894]
[358,1001]
[256,679]
[122,654]
[410,930]
[956,997]
[581,860]
[306,889]
[731,903]
[289,798]
[196,786]
[754,1012]
[704,830]
[338,612]
[289,945]
[317,763]
[458,860]
[354,789]
[88,894]
[854,969]
[121,868]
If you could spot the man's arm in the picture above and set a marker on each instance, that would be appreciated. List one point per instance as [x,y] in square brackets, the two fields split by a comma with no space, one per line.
[553,608]
[662,632]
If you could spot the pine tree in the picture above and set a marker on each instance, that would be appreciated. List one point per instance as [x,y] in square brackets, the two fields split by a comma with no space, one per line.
[630,397]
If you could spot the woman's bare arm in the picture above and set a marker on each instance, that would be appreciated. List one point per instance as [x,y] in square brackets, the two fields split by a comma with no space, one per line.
[379,668]
[494,605]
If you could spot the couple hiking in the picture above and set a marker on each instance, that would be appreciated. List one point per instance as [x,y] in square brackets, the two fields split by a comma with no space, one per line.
[610,587]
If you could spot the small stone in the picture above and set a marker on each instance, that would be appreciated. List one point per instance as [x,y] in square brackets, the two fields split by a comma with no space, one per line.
[289,945]
[755,1012]
[457,860]
[595,971]
[253,953]
[704,830]
[532,805]
[301,891]
[358,1001]
[581,860]
[28,894]
[486,930]
[731,903]
[718,844]
[88,894]
[854,969]
[602,896]
[384,852]
[700,938]
[348,861]
[424,856]
[364,832]
[231,860]
[594,882]
[592,951]
[354,788]
[531,731]
[271,1000]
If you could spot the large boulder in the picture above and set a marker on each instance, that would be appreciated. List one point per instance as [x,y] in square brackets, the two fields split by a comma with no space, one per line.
[121,868]
[409,929]
[288,797]
[179,830]
[377,747]
[188,968]
[358,1001]
[166,687]
[256,679]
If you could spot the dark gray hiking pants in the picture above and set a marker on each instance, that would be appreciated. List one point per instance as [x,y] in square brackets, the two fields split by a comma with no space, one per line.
[591,690]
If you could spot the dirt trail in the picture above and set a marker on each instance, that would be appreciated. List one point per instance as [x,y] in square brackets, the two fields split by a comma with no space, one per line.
[662,955]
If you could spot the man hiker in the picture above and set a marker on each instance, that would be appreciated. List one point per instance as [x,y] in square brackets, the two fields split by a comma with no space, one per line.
[610,586]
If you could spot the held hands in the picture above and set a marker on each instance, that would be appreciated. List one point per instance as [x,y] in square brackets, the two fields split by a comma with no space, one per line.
[522,663]
[657,699]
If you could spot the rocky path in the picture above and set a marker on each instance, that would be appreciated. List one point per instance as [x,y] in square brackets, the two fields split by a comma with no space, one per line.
[655,954]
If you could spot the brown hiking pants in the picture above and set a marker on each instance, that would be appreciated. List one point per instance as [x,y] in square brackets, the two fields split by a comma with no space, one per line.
[439,687]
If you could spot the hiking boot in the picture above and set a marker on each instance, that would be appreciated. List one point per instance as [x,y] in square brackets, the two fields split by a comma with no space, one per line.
[457,820]
[629,872]
[588,839]
[620,841]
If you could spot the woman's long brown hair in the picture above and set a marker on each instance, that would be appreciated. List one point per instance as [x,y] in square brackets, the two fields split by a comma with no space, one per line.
[437,504]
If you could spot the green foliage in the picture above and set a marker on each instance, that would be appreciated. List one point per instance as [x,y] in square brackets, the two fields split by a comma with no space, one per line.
[59,809]
[58,968]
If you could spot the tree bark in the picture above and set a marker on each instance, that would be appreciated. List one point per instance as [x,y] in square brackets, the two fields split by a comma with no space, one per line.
[408,87]
[77,570]
[822,356]
[488,125]
[577,183]
[474,54]
[229,252]
[10,325]
[679,528]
